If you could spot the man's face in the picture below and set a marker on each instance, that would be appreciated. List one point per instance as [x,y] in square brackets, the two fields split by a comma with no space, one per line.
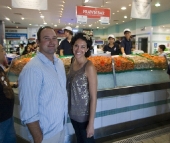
[2,54]
[127,35]
[66,33]
[48,41]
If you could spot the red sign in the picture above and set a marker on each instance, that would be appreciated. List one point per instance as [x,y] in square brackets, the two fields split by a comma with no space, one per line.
[93,12]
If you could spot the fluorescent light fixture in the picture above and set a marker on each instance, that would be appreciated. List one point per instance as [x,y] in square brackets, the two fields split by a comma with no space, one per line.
[9,7]
[90,25]
[117,11]
[42,16]
[30,24]
[125,16]
[63,1]
[55,25]
[7,18]
[157,4]
[86,1]
[113,13]
[77,26]
[123,21]
[123,8]
[75,30]
[117,23]
[22,18]
[129,4]
[45,23]
[97,27]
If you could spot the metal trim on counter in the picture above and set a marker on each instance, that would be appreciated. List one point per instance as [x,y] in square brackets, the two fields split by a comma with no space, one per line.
[132,89]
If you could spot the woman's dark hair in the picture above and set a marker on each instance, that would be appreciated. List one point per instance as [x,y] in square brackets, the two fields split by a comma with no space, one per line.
[84,37]
[25,50]
[40,29]
[70,32]
[162,47]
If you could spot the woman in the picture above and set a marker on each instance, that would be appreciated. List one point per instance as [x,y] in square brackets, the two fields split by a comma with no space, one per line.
[112,46]
[26,50]
[82,89]
[161,50]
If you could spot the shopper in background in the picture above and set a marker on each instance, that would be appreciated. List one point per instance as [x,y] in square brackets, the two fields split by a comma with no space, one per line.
[34,47]
[82,89]
[112,46]
[20,49]
[27,50]
[42,92]
[7,132]
[126,43]
[161,50]
[65,46]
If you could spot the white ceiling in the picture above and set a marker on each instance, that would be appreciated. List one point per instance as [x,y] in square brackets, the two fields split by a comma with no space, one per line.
[52,15]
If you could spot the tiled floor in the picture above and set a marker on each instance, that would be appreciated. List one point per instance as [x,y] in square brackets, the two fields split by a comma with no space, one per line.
[131,133]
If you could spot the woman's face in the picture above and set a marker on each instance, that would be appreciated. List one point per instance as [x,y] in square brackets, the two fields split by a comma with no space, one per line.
[111,40]
[80,48]
[159,49]
[28,49]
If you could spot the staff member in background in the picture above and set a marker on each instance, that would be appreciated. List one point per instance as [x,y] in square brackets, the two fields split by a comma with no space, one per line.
[126,43]
[65,46]
[7,132]
[112,46]
[161,50]
[42,92]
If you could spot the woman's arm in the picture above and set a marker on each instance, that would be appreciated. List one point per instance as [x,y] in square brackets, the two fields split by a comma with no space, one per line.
[92,79]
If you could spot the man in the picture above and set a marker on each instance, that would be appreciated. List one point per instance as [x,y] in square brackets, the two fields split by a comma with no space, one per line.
[65,46]
[7,132]
[126,43]
[42,92]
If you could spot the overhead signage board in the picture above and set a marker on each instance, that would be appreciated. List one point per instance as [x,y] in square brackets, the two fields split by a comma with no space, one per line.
[93,12]
[15,35]
[82,19]
[30,4]
[104,20]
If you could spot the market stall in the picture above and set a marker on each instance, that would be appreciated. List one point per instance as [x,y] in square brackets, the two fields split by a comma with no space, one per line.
[140,96]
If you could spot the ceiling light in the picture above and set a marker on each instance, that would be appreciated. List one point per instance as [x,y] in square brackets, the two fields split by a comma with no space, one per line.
[113,13]
[86,1]
[62,5]
[90,25]
[39,11]
[107,2]
[97,27]
[7,18]
[63,1]
[123,21]
[131,18]
[77,26]
[30,24]
[99,20]
[45,23]
[123,8]
[55,25]
[125,16]
[22,18]
[9,7]
[102,6]
[83,25]
[42,16]
[68,23]
[129,4]
[157,4]
[103,27]
[61,8]
[117,23]
[117,11]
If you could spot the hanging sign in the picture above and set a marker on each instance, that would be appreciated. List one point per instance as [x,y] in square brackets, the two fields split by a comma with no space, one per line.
[141,9]
[104,20]
[168,38]
[82,19]
[30,4]
[92,12]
